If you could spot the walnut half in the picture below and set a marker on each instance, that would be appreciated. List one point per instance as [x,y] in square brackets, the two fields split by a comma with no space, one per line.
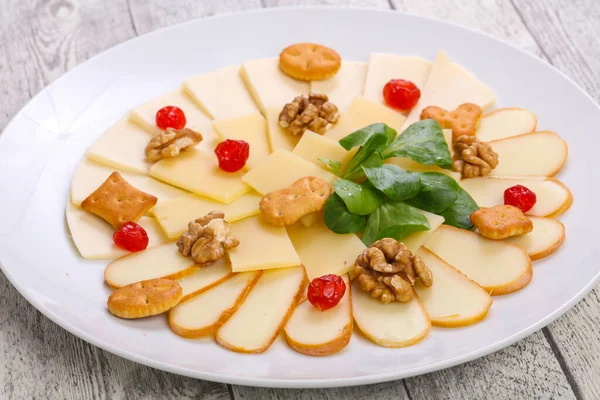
[207,239]
[473,158]
[314,113]
[388,270]
[170,143]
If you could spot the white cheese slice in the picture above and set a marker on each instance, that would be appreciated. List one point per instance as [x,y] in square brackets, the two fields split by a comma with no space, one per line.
[361,113]
[89,175]
[313,146]
[262,246]
[323,252]
[415,240]
[453,299]
[268,85]
[318,333]
[547,236]
[162,261]
[251,128]
[389,325]
[205,278]
[145,116]
[448,86]
[122,146]
[93,236]
[280,170]
[221,94]
[204,313]
[506,122]
[175,214]
[344,86]
[258,321]
[199,172]
[553,198]
[385,66]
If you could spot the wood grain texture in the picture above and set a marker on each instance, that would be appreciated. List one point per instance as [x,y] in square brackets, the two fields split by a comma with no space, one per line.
[42,39]
[572,46]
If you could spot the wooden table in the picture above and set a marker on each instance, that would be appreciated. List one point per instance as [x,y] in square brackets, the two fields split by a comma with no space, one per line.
[41,40]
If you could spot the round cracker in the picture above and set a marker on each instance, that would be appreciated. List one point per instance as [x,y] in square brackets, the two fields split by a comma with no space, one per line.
[309,61]
[145,298]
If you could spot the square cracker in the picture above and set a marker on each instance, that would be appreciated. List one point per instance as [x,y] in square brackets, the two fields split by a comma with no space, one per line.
[117,202]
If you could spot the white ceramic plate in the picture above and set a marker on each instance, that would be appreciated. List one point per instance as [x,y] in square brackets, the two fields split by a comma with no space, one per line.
[41,146]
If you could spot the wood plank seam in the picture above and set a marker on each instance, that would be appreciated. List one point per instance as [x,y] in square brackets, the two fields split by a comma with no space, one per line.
[563,364]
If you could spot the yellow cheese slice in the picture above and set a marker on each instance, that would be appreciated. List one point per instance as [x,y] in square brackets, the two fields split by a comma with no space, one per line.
[122,146]
[313,146]
[343,86]
[413,166]
[547,236]
[262,246]
[318,333]
[533,154]
[268,85]
[204,313]
[415,240]
[205,278]
[506,122]
[145,116]
[162,261]
[448,86]
[363,112]
[323,252]
[221,94]
[199,172]
[89,175]
[553,198]
[385,66]
[279,138]
[280,170]
[258,321]
[389,325]
[93,236]
[499,267]
[453,299]
[175,214]
[251,128]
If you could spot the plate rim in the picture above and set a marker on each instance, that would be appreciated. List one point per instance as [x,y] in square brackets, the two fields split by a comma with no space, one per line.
[302,383]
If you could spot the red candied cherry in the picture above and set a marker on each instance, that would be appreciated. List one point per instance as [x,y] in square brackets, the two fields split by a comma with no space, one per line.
[520,197]
[326,291]
[170,117]
[401,94]
[131,237]
[232,154]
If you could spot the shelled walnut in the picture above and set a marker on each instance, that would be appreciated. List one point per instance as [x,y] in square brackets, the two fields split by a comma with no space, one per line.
[170,143]
[314,113]
[388,270]
[473,158]
[207,239]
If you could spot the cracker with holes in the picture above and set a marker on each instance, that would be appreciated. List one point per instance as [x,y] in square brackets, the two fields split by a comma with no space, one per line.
[309,61]
[117,202]
[463,121]
[145,298]
[500,222]
[286,206]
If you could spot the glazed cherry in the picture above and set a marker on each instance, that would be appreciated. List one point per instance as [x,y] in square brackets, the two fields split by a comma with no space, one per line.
[520,197]
[232,154]
[170,117]
[401,94]
[326,291]
[131,237]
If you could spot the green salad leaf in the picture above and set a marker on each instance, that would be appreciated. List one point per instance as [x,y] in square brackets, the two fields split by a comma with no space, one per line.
[362,136]
[338,219]
[333,166]
[459,214]
[395,220]
[360,199]
[438,192]
[396,183]
[372,140]
[422,142]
